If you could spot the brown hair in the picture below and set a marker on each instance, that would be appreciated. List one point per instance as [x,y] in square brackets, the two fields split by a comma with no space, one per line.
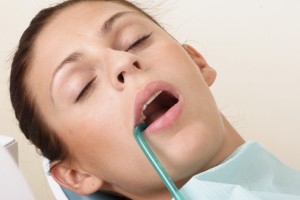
[31,121]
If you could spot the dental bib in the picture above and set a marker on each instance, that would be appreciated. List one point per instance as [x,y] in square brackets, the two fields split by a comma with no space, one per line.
[249,173]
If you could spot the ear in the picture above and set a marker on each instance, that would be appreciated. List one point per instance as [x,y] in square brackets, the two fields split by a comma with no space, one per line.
[79,181]
[208,73]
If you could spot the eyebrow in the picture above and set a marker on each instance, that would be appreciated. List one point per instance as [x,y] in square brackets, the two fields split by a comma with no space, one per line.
[73,57]
[107,26]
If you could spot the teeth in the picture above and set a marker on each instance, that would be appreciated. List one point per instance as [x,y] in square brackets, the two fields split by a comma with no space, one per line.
[144,107]
[147,103]
[151,99]
[143,118]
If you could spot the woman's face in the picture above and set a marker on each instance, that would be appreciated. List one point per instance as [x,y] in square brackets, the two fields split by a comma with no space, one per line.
[95,66]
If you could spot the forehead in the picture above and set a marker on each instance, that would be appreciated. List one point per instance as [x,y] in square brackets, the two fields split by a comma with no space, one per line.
[79,16]
[86,10]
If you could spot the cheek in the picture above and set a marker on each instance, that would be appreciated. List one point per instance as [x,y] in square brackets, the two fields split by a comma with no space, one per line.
[88,131]
[170,58]
[96,146]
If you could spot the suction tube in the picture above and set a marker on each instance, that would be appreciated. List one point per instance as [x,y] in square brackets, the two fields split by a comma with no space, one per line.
[138,134]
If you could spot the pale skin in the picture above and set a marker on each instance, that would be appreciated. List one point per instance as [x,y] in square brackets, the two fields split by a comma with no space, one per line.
[97,127]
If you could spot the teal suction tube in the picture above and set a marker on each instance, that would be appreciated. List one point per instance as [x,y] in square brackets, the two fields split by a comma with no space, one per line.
[138,134]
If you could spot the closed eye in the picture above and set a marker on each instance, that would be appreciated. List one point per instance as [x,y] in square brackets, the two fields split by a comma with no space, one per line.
[85,90]
[139,41]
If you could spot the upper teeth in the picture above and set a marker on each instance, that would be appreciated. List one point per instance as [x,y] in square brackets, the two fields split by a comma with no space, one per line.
[143,117]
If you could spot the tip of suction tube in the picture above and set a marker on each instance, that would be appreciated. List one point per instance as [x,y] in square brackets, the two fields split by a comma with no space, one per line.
[138,129]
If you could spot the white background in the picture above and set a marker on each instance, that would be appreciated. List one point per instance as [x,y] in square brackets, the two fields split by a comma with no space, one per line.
[254,46]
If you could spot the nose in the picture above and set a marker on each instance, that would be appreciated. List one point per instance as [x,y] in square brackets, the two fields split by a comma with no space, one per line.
[120,65]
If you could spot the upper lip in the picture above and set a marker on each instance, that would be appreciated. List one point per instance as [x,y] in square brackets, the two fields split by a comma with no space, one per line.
[147,92]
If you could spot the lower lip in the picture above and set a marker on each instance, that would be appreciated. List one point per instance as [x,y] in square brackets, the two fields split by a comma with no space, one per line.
[166,119]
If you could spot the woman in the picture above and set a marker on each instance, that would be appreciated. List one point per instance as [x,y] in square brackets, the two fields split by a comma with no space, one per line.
[87,72]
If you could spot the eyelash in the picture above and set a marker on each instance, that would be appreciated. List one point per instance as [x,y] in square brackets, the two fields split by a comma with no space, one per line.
[139,41]
[85,90]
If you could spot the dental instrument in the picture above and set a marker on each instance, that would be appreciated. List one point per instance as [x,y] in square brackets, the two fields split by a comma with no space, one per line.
[138,134]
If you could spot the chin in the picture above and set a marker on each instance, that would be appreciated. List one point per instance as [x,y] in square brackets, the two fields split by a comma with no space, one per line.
[192,149]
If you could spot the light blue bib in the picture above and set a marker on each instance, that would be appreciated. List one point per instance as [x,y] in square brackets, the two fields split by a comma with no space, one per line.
[250,173]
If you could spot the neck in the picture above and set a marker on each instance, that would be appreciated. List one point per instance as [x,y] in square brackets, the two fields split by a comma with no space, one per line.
[232,141]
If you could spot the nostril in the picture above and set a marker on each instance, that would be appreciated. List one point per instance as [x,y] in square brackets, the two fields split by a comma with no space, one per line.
[121,77]
[137,65]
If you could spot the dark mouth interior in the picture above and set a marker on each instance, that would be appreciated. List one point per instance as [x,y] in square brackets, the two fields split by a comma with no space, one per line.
[159,106]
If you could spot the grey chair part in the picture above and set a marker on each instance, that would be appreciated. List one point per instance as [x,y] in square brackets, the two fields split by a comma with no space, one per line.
[96,196]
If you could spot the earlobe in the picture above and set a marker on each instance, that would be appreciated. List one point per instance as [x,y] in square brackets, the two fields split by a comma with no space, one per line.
[208,73]
[79,181]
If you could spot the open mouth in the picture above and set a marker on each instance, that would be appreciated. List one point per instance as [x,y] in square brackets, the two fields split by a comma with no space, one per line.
[157,106]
